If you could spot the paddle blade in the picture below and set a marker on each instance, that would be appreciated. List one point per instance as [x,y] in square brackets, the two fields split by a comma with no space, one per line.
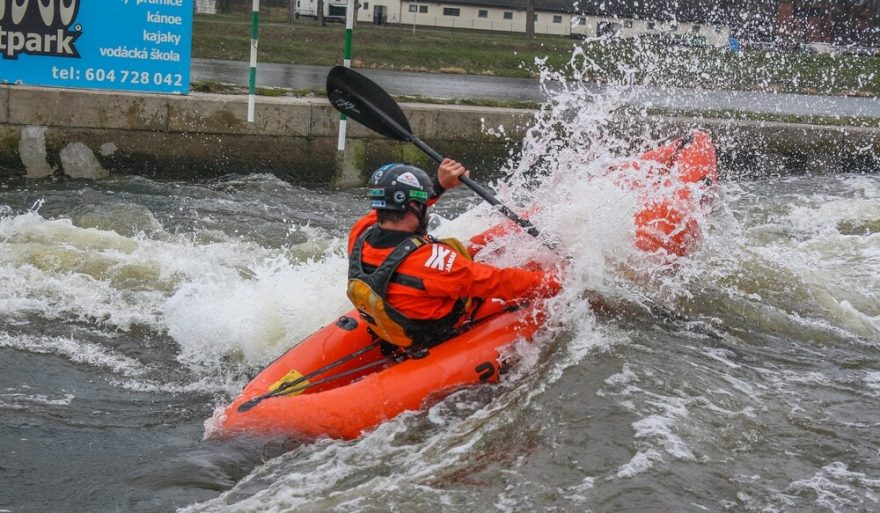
[363,100]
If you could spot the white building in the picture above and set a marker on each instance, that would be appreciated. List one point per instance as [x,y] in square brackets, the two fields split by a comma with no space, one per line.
[205,6]
[683,32]
[473,15]
[553,17]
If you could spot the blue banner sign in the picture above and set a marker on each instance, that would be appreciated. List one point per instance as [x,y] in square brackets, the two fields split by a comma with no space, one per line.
[129,45]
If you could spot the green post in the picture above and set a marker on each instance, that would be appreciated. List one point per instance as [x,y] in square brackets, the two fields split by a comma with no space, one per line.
[252,82]
[346,61]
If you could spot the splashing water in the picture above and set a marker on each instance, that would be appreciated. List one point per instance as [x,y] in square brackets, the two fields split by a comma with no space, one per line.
[438,456]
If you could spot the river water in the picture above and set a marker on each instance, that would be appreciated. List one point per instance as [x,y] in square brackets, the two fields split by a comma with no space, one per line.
[131,309]
[744,377]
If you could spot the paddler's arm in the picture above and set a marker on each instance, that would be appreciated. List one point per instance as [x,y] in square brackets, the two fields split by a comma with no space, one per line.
[447,178]
[475,279]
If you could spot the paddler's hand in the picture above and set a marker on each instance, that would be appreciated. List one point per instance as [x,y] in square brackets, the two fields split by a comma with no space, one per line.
[552,277]
[448,173]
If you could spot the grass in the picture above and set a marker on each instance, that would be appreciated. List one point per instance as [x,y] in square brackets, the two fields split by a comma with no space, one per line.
[207,86]
[648,63]
[841,121]
[481,53]
[227,36]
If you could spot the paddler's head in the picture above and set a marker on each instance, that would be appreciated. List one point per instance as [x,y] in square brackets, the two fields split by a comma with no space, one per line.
[400,193]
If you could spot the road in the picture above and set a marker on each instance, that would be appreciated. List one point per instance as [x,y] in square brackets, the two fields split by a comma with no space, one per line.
[438,85]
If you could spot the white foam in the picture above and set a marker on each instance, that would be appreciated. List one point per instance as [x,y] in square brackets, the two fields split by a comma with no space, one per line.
[872,380]
[15,400]
[624,377]
[216,298]
[839,489]
[75,351]
[641,462]
[258,316]
[661,428]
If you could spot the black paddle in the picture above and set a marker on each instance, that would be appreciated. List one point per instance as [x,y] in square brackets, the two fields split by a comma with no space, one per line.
[363,100]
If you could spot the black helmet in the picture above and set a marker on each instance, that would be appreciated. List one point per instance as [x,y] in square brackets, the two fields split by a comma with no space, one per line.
[393,186]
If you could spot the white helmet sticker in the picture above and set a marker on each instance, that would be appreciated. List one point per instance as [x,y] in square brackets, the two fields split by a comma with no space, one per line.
[409,179]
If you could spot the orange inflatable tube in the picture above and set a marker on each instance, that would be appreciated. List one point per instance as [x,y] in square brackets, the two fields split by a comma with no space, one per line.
[679,183]
[364,391]
[348,407]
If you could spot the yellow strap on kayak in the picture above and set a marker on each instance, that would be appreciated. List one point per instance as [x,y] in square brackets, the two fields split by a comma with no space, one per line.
[289,378]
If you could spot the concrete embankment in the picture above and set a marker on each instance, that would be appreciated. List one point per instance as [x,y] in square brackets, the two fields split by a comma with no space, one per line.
[46,131]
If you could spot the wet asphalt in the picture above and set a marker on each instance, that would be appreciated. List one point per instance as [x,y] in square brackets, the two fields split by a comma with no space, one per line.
[447,86]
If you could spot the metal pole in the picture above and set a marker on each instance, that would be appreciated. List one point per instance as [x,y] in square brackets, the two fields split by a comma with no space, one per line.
[346,56]
[252,88]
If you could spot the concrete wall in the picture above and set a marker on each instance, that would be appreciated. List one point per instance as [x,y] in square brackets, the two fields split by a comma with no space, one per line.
[206,135]
[203,135]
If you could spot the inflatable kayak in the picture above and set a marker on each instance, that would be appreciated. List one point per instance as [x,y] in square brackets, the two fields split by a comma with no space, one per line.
[677,184]
[337,383]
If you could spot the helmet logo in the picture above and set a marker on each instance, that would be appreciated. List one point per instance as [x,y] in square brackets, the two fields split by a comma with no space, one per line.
[399,197]
[409,179]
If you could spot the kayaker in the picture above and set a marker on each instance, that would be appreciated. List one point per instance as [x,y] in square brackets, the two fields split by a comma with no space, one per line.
[414,290]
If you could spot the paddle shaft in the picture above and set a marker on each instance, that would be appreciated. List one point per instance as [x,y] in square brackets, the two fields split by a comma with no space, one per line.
[334,377]
[474,186]
[408,136]
[247,405]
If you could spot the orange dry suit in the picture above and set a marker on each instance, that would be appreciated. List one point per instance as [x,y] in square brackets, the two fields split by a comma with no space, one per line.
[414,290]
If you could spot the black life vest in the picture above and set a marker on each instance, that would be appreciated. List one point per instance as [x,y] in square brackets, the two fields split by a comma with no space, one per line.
[368,286]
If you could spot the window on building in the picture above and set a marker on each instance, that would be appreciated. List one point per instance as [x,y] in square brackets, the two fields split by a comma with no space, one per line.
[297,3]
[696,28]
[483,13]
[366,6]
[627,24]
[508,15]
[423,9]
[535,17]
[651,25]
[607,28]
[582,20]
[413,8]
[557,19]
[450,11]
[336,11]
[673,28]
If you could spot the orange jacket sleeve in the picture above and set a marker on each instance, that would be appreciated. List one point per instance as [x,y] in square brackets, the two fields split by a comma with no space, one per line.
[457,277]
